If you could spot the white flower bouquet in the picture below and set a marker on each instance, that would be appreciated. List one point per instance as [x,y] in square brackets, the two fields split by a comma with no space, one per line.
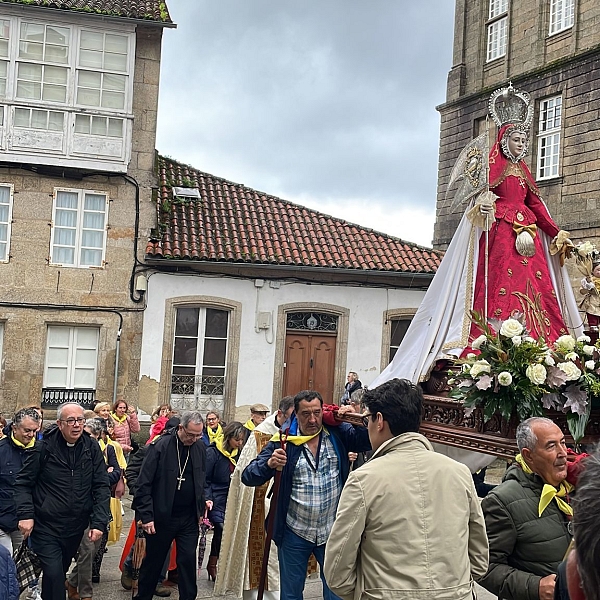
[513,373]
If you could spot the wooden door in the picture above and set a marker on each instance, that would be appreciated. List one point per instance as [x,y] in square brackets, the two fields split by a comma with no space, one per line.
[309,364]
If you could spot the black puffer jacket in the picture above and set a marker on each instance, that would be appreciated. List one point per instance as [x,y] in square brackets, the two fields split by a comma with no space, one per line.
[11,461]
[64,489]
[524,547]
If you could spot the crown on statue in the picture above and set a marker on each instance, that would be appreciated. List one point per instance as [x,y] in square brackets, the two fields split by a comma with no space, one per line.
[509,105]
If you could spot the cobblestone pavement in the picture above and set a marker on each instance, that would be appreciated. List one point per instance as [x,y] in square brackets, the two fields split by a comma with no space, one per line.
[110,588]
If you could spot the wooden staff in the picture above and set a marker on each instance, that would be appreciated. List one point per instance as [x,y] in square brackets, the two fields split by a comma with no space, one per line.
[271,521]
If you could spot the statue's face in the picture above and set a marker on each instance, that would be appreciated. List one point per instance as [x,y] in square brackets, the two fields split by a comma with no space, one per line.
[516,143]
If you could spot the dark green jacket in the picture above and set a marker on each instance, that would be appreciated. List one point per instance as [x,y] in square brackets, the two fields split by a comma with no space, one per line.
[523,546]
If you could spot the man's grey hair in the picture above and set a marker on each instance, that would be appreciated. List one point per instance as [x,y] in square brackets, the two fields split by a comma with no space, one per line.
[27,413]
[357,395]
[61,408]
[286,403]
[191,416]
[525,436]
[586,506]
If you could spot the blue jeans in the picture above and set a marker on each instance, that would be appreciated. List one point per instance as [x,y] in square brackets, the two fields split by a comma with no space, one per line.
[293,554]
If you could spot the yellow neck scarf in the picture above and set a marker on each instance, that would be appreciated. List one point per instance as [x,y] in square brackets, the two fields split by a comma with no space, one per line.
[297,440]
[19,444]
[214,435]
[120,420]
[549,492]
[249,424]
[232,456]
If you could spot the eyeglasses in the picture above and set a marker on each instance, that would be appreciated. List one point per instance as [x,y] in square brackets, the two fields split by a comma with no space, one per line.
[211,419]
[366,419]
[194,436]
[71,422]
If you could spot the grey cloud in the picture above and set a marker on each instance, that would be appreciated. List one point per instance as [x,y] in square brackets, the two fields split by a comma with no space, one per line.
[328,98]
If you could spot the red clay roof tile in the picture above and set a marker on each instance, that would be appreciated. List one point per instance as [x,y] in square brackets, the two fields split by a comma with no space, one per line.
[234,223]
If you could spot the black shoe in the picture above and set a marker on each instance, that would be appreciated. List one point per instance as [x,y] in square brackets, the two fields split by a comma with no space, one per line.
[95,578]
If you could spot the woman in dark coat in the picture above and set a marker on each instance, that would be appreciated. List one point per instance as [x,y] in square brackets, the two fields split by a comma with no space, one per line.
[221,458]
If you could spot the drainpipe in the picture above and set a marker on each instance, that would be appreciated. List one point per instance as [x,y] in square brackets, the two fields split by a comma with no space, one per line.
[117,353]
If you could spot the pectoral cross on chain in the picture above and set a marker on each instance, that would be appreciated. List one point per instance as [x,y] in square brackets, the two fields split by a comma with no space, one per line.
[180,479]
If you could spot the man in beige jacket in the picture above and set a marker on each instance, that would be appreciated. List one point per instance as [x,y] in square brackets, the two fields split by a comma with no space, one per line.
[409,523]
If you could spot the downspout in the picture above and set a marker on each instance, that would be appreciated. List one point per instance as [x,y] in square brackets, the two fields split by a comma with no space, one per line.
[117,354]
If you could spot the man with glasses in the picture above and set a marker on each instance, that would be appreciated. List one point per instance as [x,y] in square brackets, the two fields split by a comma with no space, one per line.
[314,466]
[409,523]
[62,490]
[169,501]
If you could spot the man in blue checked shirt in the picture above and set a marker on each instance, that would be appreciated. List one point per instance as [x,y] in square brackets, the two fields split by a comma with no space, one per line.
[315,467]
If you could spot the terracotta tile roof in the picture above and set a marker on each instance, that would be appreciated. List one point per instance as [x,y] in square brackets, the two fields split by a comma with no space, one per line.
[233,223]
[148,10]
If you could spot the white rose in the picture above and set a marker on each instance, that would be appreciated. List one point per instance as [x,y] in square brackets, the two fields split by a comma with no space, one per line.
[510,328]
[536,374]
[516,340]
[466,368]
[585,248]
[451,381]
[480,366]
[566,343]
[590,365]
[471,355]
[584,339]
[504,378]
[589,350]
[571,356]
[570,369]
[549,361]
[477,343]
[529,339]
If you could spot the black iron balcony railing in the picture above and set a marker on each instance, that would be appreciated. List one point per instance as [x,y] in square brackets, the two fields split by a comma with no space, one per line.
[196,385]
[54,397]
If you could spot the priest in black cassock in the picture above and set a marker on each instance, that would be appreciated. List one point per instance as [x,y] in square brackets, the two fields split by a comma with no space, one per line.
[169,500]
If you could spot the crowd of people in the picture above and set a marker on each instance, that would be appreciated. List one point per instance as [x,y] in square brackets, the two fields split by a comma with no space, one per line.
[404,522]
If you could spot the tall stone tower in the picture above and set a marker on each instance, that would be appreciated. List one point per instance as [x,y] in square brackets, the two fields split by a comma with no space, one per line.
[551,49]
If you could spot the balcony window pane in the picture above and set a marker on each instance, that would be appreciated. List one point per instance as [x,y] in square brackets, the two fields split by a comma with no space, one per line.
[99,125]
[216,323]
[82,124]
[88,97]
[64,256]
[185,351]
[113,100]
[91,258]
[114,82]
[32,32]
[55,93]
[56,54]
[39,119]
[22,117]
[64,237]
[55,75]
[92,239]
[30,72]
[115,62]
[90,79]
[57,35]
[56,121]
[31,51]
[214,352]
[90,58]
[115,128]
[4,48]
[95,202]
[116,43]
[91,40]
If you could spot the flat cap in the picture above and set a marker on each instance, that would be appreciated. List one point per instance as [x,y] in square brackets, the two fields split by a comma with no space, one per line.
[259,408]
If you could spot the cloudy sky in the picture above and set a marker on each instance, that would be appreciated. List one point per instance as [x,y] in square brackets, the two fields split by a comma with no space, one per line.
[328,103]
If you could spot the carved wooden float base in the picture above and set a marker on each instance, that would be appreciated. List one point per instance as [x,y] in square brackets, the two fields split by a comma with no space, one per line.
[444,421]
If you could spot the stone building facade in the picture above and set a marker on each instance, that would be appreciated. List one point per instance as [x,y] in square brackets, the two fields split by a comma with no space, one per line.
[78,115]
[551,49]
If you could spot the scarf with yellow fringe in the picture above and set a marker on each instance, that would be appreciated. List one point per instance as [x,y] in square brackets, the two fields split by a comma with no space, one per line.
[549,492]
[214,435]
[294,437]
[17,443]
[119,420]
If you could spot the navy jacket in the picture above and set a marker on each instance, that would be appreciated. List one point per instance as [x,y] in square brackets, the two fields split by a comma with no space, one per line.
[345,438]
[11,462]
[218,479]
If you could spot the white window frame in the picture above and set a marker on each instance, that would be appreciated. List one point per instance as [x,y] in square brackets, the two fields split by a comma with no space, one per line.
[199,365]
[79,229]
[71,367]
[108,153]
[549,138]
[562,15]
[8,223]
[497,30]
